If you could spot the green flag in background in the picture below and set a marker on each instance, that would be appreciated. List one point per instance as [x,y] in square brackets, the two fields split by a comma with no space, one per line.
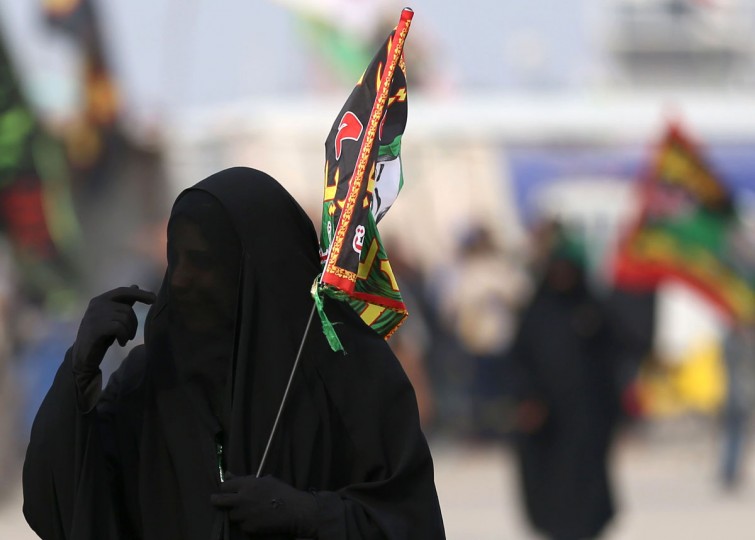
[36,209]
[340,34]
[363,176]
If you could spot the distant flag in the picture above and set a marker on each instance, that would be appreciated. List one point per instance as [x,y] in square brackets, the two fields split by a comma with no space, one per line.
[688,229]
[36,210]
[340,32]
[363,176]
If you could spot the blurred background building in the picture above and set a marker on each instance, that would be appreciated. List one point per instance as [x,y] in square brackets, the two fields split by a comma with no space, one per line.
[520,113]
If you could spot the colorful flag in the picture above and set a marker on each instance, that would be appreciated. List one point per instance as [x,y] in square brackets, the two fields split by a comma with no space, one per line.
[688,229]
[342,33]
[363,176]
[36,210]
[92,140]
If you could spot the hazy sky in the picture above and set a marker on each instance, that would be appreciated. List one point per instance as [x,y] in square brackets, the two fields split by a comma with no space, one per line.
[184,53]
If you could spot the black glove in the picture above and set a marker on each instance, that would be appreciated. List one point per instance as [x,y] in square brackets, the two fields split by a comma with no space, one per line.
[108,317]
[268,506]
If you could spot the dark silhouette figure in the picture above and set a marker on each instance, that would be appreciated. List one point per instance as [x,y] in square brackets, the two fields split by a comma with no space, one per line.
[172,447]
[567,401]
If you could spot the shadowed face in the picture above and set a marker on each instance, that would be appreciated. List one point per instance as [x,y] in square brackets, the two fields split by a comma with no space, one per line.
[203,279]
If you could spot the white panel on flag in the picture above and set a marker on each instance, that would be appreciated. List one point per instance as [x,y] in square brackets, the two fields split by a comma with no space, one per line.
[387,185]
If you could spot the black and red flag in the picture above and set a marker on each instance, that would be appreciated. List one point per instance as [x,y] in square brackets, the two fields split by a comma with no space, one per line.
[363,177]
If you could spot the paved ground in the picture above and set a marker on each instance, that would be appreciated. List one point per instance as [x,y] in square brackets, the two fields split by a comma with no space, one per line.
[665,481]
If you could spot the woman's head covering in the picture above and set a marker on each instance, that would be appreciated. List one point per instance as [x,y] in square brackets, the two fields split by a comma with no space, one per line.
[263,250]
[350,429]
[220,342]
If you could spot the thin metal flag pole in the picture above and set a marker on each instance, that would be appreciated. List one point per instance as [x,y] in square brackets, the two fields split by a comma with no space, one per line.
[285,393]
[365,149]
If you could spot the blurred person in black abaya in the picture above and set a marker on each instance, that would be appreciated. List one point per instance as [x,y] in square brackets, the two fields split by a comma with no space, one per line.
[567,401]
[170,448]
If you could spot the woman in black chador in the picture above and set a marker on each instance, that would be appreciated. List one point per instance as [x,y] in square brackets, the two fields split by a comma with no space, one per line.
[170,448]
[568,402]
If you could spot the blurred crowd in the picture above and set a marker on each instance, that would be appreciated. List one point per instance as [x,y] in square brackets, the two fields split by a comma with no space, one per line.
[526,346]
[525,349]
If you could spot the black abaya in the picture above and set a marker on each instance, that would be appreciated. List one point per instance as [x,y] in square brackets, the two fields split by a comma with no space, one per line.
[145,461]
[564,362]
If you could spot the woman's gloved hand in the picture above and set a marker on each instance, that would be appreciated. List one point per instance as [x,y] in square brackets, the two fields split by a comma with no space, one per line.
[268,506]
[108,317]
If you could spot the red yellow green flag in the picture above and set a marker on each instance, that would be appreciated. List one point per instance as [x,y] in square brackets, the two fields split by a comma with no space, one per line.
[688,229]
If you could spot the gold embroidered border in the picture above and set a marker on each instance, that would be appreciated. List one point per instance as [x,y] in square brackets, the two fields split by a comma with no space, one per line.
[358,176]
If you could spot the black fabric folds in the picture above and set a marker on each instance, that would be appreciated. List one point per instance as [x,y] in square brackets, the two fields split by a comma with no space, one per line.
[146,459]
[564,360]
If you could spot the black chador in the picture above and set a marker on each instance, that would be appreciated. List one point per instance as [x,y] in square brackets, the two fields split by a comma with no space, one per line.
[171,447]
[566,383]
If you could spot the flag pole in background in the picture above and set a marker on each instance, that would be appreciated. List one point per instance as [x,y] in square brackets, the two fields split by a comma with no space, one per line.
[362,180]
[94,137]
